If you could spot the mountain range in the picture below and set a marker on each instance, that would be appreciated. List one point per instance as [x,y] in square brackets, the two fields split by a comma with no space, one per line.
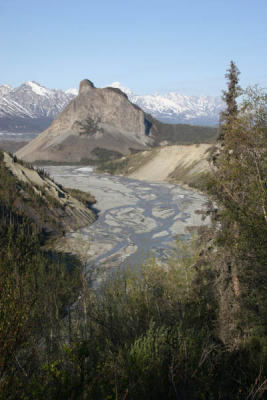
[32,107]
[175,108]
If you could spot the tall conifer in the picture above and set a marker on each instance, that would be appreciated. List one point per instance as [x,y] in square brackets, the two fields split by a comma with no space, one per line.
[229,96]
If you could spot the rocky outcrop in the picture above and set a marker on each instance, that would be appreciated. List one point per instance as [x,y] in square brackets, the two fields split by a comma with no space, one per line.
[95,119]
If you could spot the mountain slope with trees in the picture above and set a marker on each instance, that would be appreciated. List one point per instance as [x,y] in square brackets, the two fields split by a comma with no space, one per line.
[36,285]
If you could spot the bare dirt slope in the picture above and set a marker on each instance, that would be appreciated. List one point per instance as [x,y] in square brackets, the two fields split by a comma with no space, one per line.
[184,160]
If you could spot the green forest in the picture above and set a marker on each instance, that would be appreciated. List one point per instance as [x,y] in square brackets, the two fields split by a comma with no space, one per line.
[192,329]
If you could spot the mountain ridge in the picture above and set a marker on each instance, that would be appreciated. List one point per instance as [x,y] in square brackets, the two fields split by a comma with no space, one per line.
[172,107]
[101,123]
[30,107]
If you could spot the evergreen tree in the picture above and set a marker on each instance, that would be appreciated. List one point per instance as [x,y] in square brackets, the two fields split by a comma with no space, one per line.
[229,96]
[239,189]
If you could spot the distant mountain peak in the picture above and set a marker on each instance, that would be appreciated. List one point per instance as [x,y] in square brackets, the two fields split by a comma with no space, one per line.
[37,88]
[174,107]
[30,107]
[73,91]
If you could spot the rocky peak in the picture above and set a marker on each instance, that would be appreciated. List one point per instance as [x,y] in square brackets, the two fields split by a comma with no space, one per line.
[85,84]
[117,90]
[96,119]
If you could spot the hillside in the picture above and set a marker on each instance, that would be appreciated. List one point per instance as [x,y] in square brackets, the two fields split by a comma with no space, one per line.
[33,194]
[102,124]
[37,282]
[186,164]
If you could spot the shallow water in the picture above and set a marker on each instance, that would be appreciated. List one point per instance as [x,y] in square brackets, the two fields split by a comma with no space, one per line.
[136,220]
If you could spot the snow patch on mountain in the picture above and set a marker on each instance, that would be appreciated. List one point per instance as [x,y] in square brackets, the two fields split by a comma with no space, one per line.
[38,89]
[5,89]
[73,91]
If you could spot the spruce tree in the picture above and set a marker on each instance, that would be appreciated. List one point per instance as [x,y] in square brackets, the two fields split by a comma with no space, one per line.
[239,188]
[229,96]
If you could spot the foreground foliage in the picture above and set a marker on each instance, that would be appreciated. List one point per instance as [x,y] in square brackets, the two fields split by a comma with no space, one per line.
[146,334]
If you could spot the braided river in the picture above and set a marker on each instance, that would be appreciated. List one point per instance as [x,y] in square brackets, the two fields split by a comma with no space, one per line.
[136,219]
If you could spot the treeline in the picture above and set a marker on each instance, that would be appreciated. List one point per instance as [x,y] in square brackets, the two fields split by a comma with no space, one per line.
[194,328]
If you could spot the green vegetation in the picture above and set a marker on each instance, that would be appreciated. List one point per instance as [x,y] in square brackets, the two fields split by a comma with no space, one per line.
[239,186]
[150,334]
[183,175]
[115,167]
[105,154]
[89,126]
[193,328]
[37,202]
[35,286]
[230,96]
[99,157]
[84,197]
[83,161]
[181,133]
[31,201]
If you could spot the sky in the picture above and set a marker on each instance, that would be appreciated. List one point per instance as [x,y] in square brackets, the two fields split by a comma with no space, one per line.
[148,46]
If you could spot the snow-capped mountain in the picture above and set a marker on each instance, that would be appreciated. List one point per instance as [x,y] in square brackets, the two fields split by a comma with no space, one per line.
[31,107]
[174,108]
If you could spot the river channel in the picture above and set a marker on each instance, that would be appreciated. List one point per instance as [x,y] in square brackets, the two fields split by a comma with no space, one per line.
[136,219]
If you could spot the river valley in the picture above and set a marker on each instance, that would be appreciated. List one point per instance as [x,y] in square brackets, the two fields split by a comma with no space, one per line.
[136,220]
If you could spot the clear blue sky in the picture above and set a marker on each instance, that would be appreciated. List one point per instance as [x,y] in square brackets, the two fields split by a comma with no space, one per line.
[146,45]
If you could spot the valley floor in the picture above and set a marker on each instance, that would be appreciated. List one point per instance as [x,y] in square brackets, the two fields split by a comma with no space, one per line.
[136,220]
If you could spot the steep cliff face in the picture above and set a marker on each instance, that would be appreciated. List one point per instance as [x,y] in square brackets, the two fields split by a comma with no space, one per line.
[96,118]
